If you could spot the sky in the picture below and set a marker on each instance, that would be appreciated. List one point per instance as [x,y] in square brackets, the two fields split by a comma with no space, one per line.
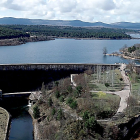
[107,11]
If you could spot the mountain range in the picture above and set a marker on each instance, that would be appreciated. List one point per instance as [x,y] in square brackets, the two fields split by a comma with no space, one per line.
[74,23]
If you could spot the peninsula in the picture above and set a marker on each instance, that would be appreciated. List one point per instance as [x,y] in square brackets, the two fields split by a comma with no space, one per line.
[20,34]
[132,52]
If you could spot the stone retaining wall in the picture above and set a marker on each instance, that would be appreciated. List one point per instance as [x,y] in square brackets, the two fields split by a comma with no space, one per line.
[4,123]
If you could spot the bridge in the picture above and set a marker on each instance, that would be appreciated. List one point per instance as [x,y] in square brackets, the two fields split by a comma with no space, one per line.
[17,94]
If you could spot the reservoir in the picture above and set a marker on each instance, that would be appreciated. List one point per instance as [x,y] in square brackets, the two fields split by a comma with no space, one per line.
[64,51]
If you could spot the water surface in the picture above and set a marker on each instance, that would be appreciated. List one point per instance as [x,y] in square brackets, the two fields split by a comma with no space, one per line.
[64,51]
[21,126]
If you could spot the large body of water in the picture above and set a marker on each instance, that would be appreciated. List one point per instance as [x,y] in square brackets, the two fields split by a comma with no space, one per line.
[64,51]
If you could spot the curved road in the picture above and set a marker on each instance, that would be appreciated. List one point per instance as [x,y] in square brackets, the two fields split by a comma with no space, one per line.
[125,93]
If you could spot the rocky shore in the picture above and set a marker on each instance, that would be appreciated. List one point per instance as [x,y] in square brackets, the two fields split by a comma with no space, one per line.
[123,56]
[93,38]
[35,125]
[19,41]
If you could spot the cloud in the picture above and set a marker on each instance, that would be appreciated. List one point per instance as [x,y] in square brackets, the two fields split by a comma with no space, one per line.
[89,10]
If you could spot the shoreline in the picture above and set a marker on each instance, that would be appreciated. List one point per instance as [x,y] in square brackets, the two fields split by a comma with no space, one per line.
[123,56]
[20,41]
[76,38]
[35,126]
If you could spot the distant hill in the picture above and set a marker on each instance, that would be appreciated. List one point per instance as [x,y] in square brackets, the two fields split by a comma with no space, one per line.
[127,25]
[74,23]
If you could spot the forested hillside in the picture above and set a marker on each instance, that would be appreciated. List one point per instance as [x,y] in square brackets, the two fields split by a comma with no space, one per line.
[71,32]
[6,33]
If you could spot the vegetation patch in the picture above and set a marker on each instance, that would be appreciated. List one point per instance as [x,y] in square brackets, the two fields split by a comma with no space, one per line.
[72,112]
[72,32]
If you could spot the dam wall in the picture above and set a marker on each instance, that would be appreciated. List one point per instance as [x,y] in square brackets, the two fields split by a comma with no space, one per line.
[55,66]
[29,77]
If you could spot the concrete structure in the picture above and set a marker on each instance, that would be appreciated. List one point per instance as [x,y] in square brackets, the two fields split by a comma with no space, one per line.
[16,94]
[0,93]
[28,77]
[4,123]
[72,79]
[55,66]
[34,97]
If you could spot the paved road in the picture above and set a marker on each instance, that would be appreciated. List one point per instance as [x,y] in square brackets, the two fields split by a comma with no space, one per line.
[124,94]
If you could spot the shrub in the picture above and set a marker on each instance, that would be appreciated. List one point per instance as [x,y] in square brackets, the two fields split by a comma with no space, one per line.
[101,94]
[121,79]
[36,112]
[60,114]
[53,111]
[56,83]
[85,115]
[90,123]
[57,94]
[107,85]
[69,88]
[76,94]
[79,89]
[105,114]
[69,100]
[61,99]
[50,102]
[73,105]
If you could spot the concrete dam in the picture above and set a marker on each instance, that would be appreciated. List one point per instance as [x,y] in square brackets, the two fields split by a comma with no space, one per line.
[29,77]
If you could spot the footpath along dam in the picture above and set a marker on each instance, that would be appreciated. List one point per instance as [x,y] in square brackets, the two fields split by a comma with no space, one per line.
[29,77]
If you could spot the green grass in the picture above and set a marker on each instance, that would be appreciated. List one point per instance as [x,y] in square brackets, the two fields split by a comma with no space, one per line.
[135,85]
[100,85]
[106,103]
[95,95]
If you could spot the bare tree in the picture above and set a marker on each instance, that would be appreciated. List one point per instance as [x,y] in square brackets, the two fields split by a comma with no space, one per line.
[99,70]
[105,51]
[123,48]
[112,79]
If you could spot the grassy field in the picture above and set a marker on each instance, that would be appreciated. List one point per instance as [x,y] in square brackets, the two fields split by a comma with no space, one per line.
[4,117]
[135,88]
[106,102]
[104,96]
[106,77]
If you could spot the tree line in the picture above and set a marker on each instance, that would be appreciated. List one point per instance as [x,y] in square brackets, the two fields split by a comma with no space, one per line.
[72,32]
[6,33]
